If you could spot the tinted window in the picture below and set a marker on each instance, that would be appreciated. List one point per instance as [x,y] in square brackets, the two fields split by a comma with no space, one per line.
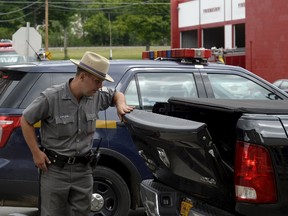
[228,86]
[148,88]
[45,81]
[8,81]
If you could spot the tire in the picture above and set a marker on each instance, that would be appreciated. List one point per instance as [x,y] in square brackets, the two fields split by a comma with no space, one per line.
[111,196]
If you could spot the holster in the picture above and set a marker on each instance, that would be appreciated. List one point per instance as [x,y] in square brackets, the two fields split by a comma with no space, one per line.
[94,157]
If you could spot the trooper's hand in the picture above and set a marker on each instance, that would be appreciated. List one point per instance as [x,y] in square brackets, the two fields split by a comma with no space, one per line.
[41,160]
[123,109]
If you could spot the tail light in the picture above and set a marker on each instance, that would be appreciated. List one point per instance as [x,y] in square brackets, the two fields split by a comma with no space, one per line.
[7,125]
[254,175]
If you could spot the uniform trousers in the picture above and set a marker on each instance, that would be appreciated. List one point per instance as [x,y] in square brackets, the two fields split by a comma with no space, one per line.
[66,191]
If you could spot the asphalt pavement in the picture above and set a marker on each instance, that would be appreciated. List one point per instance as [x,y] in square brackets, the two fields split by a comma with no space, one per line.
[17,211]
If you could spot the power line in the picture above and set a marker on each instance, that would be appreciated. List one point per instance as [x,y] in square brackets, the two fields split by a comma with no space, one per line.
[90,3]
[57,6]
[91,9]
[20,9]
[18,18]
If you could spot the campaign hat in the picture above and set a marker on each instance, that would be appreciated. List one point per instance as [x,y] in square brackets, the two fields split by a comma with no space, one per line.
[94,64]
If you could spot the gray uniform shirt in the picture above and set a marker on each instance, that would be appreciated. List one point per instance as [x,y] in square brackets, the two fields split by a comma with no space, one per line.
[67,126]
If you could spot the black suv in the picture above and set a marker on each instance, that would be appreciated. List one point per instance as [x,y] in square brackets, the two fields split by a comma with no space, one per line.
[120,169]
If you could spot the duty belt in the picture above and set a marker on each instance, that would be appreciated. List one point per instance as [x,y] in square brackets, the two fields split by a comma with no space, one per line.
[61,160]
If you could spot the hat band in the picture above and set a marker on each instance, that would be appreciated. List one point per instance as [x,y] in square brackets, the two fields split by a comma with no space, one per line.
[92,69]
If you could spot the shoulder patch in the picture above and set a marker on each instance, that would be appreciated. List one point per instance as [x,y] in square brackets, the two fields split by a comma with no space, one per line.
[104,89]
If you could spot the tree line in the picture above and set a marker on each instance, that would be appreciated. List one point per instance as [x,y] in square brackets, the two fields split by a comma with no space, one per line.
[91,22]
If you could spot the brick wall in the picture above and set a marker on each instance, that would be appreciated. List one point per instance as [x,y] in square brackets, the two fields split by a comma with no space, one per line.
[267,38]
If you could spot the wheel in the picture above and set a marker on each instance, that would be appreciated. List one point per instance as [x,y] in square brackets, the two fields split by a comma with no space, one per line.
[111,194]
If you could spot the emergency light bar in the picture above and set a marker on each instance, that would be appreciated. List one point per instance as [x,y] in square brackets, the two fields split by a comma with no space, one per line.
[4,44]
[178,53]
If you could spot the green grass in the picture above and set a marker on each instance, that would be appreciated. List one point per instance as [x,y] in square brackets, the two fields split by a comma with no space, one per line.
[134,52]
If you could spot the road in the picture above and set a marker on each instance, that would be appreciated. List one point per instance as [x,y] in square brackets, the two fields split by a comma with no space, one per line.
[17,211]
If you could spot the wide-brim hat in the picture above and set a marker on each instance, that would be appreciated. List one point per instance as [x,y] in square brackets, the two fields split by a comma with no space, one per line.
[95,64]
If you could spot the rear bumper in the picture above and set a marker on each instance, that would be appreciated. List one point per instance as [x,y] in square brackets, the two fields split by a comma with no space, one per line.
[264,209]
[159,199]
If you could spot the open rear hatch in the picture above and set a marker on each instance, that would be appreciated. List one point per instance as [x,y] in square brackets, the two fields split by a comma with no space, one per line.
[181,154]
[190,144]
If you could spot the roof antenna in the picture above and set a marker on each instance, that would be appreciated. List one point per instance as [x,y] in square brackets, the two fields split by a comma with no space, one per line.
[38,57]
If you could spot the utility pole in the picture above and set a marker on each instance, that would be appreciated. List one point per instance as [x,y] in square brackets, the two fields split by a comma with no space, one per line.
[46,26]
[110,57]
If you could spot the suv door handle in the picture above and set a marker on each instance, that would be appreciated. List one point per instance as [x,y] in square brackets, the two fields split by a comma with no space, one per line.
[120,124]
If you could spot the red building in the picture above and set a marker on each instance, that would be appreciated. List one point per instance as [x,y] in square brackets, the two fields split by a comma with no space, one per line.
[257,28]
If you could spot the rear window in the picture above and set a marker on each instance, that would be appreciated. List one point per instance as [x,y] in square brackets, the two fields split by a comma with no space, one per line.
[45,80]
[18,89]
[8,81]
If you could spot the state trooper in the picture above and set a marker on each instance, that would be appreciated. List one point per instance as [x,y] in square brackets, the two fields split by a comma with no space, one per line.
[68,113]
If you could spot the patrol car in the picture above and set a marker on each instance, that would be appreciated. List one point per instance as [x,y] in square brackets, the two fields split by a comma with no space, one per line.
[180,73]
